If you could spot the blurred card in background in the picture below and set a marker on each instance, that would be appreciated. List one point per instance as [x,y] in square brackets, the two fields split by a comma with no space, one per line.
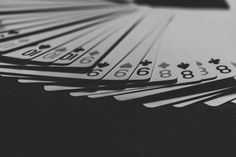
[187,3]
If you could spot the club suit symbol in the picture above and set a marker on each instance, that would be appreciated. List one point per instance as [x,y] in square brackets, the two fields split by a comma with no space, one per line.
[146,63]
[79,49]
[183,65]
[214,61]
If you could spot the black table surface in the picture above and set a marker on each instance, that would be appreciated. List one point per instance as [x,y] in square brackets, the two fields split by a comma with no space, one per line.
[38,123]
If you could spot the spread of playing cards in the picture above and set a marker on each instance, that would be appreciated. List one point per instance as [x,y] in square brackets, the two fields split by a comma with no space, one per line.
[132,53]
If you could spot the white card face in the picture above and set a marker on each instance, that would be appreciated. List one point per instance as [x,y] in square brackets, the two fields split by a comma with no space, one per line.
[145,68]
[207,72]
[186,67]
[211,41]
[224,68]
[165,70]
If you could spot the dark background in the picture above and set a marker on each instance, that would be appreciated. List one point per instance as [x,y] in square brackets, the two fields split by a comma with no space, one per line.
[41,124]
[37,123]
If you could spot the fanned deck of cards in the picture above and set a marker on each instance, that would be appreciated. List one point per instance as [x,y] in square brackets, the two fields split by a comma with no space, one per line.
[99,49]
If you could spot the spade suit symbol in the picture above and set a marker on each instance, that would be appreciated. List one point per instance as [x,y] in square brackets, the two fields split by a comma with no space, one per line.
[127,66]
[183,65]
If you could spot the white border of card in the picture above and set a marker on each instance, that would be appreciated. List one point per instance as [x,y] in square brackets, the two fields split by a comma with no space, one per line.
[100,49]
